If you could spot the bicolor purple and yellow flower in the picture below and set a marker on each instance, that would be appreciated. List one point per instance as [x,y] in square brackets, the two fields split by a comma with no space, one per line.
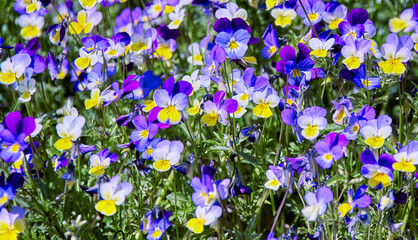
[275,178]
[99,162]
[284,14]
[14,134]
[271,42]
[11,223]
[360,78]
[360,200]
[312,121]
[233,36]
[376,131]
[204,216]
[69,131]
[407,157]
[405,22]
[97,98]
[321,44]
[171,100]
[166,155]
[264,101]
[314,10]
[396,51]
[330,149]
[31,24]
[354,51]
[13,68]
[86,21]
[342,110]
[144,131]
[378,172]
[335,16]
[112,194]
[354,25]
[218,109]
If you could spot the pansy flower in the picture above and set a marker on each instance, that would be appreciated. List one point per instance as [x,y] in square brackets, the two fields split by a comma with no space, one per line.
[296,67]
[271,42]
[405,22]
[359,77]
[314,10]
[330,149]
[284,14]
[312,122]
[167,154]
[354,25]
[148,148]
[171,99]
[358,120]
[407,157]
[233,36]
[8,188]
[396,51]
[31,24]
[147,82]
[322,44]
[176,18]
[231,11]
[263,101]
[117,45]
[144,131]
[376,131]
[197,81]
[99,162]
[206,190]
[273,3]
[13,68]
[86,21]
[275,178]
[158,227]
[165,48]
[112,194]
[378,172]
[317,203]
[335,16]
[342,109]
[213,60]
[11,223]
[144,41]
[360,200]
[238,187]
[196,58]
[97,98]
[218,109]
[69,131]
[58,162]
[354,51]
[13,136]
[386,202]
[204,216]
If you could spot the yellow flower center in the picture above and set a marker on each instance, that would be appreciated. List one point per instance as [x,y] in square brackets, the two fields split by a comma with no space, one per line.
[233,44]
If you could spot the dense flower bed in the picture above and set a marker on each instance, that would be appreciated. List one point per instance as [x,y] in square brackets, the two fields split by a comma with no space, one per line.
[207,119]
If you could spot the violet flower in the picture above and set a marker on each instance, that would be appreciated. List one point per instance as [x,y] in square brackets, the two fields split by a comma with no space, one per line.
[378,172]
[330,149]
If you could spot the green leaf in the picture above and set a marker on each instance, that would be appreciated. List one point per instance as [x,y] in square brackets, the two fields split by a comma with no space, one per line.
[334,180]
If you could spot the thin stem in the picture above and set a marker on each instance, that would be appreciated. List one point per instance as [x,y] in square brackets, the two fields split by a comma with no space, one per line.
[280,209]
[307,16]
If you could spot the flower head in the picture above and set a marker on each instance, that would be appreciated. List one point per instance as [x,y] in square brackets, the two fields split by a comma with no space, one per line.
[378,172]
[317,203]
[112,194]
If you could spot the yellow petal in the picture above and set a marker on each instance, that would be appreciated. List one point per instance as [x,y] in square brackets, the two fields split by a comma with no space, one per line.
[97,171]
[262,110]
[404,166]
[19,225]
[89,103]
[352,63]
[30,32]
[162,165]
[375,142]
[82,63]
[7,78]
[210,119]
[64,144]
[344,209]
[397,25]
[195,225]
[106,207]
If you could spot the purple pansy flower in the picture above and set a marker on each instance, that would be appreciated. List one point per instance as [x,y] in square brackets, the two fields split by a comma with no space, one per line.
[354,25]
[378,172]
[330,149]
[314,10]
[317,203]
[341,110]
[312,121]
[218,109]
[359,77]
[13,136]
[296,67]
[171,99]
[360,200]
[271,42]
[144,131]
